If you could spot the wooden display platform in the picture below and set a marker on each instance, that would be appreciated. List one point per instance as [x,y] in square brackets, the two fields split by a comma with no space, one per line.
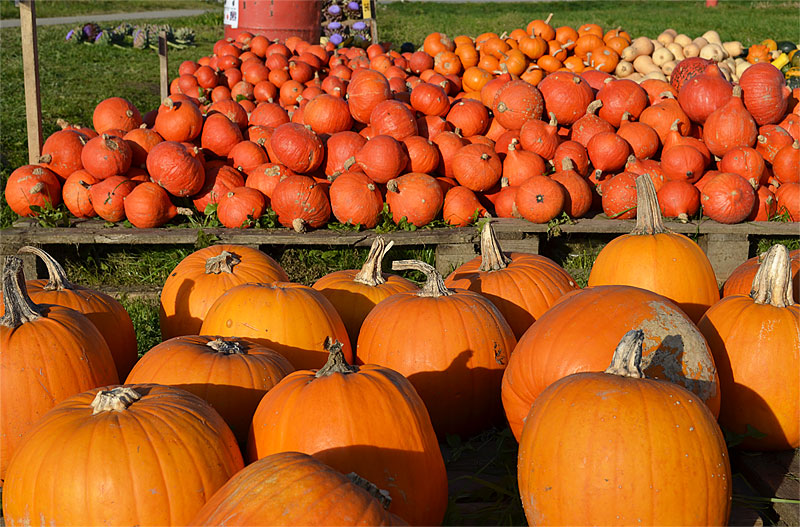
[727,246]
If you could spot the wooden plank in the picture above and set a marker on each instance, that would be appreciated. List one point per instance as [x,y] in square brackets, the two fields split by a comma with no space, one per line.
[30,70]
[163,64]
[773,474]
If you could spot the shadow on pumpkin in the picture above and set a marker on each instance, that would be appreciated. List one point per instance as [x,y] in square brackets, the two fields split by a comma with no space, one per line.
[461,399]
[301,358]
[417,487]
[190,324]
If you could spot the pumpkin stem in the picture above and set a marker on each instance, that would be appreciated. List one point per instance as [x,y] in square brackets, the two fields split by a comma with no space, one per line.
[18,305]
[737,91]
[379,494]
[114,400]
[492,257]
[773,281]
[299,225]
[434,284]
[226,347]
[336,362]
[626,117]
[222,263]
[57,277]
[627,359]
[549,17]
[553,121]
[674,125]
[45,158]
[648,215]
[594,106]
[371,272]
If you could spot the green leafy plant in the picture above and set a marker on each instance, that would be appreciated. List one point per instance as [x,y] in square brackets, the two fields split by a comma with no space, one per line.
[268,220]
[344,227]
[205,240]
[49,216]
[732,438]
[554,225]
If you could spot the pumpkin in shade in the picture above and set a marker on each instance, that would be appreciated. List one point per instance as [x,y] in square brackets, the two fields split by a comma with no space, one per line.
[515,103]
[540,137]
[343,407]
[589,125]
[765,207]
[297,147]
[788,197]
[171,166]
[108,197]
[740,281]
[729,126]
[105,156]
[115,113]
[219,178]
[220,135]
[32,185]
[339,148]
[230,374]
[356,200]
[653,258]
[300,203]
[608,151]
[663,115]
[178,119]
[47,353]
[558,344]
[786,163]
[755,339]
[423,155]
[566,95]
[619,196]
[462,207]
[539,199]
[247,155]
[241,207]
[576,153]
[701,95]
[148,206]
[415,198]
[393,118]
[202,277]
[679,199]
[290,318]
[523,286]
[296,489]
[76,194]
[764,93]
[643,139]
[381,158]
[648,167]
[183,449]
[461,345]
[355,292]
[687,467]
[578,196]
[728,198]
[682,162]
[61,152]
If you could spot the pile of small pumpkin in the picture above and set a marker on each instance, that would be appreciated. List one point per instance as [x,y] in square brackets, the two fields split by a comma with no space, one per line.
[460,129]
[361,373]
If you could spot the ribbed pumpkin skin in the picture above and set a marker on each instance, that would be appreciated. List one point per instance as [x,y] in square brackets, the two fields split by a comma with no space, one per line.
[290,318]
[233,384]
[341,420]
[453,349]
[669,264]
[189,292]
[354,300]
[559,344]
[155,463]
[627,452]
[42,363]
[290,488]
[523,291]
[757,350]
[740,280]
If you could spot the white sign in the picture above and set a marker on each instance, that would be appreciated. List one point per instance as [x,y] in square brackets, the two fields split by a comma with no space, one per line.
[231,13]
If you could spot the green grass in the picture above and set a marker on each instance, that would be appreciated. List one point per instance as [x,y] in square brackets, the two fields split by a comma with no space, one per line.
[144,315]
[97,265]
[59,8]
[747,21]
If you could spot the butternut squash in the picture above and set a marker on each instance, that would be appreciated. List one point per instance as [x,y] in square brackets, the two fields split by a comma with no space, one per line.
[676,50]
[665,38]
[662,55]
[700,42]
[640,46]
[655,74]
[624,69]
[712,52]
[734,48]
[712,37]
[668,67]
[692,50]
[682,39]
[644,64]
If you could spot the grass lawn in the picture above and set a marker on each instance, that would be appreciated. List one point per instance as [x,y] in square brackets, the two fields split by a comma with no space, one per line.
[56,8]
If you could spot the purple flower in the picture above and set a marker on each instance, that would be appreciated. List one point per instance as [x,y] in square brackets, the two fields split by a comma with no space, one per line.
[69,35]
[334,10]
[336,38]
[98,36]
[359,26]
[353,6]
[334,25]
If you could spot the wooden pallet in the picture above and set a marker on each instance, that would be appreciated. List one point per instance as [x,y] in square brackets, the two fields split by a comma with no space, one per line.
[726,246]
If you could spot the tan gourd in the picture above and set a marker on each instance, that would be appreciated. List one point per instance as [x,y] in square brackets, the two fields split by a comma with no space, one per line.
[665,38]
[741,66]
[635,77]
[662,56]
[644,64]
[677,50]
[668,67]
[682,39]
[656,44]
[692,50]
[712,52]
[700,42]
[640,46]
[655,74]
[733,48]
[712,37]
[624,68]
[671,32]
[726,72]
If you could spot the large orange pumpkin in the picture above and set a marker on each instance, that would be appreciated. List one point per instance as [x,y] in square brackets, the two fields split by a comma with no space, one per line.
[202,277]
[296,489]
[451,344]
[740,281]
[231,374]
[106,313]
[292,319]
[47,354]
[365,419]
[522,286]
[355,292]
[616,448]
[654,258]
[126,455]
[578,334]
[756,344]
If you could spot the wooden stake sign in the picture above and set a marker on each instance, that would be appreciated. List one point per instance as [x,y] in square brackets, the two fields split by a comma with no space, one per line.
[162,59]
[30,70]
